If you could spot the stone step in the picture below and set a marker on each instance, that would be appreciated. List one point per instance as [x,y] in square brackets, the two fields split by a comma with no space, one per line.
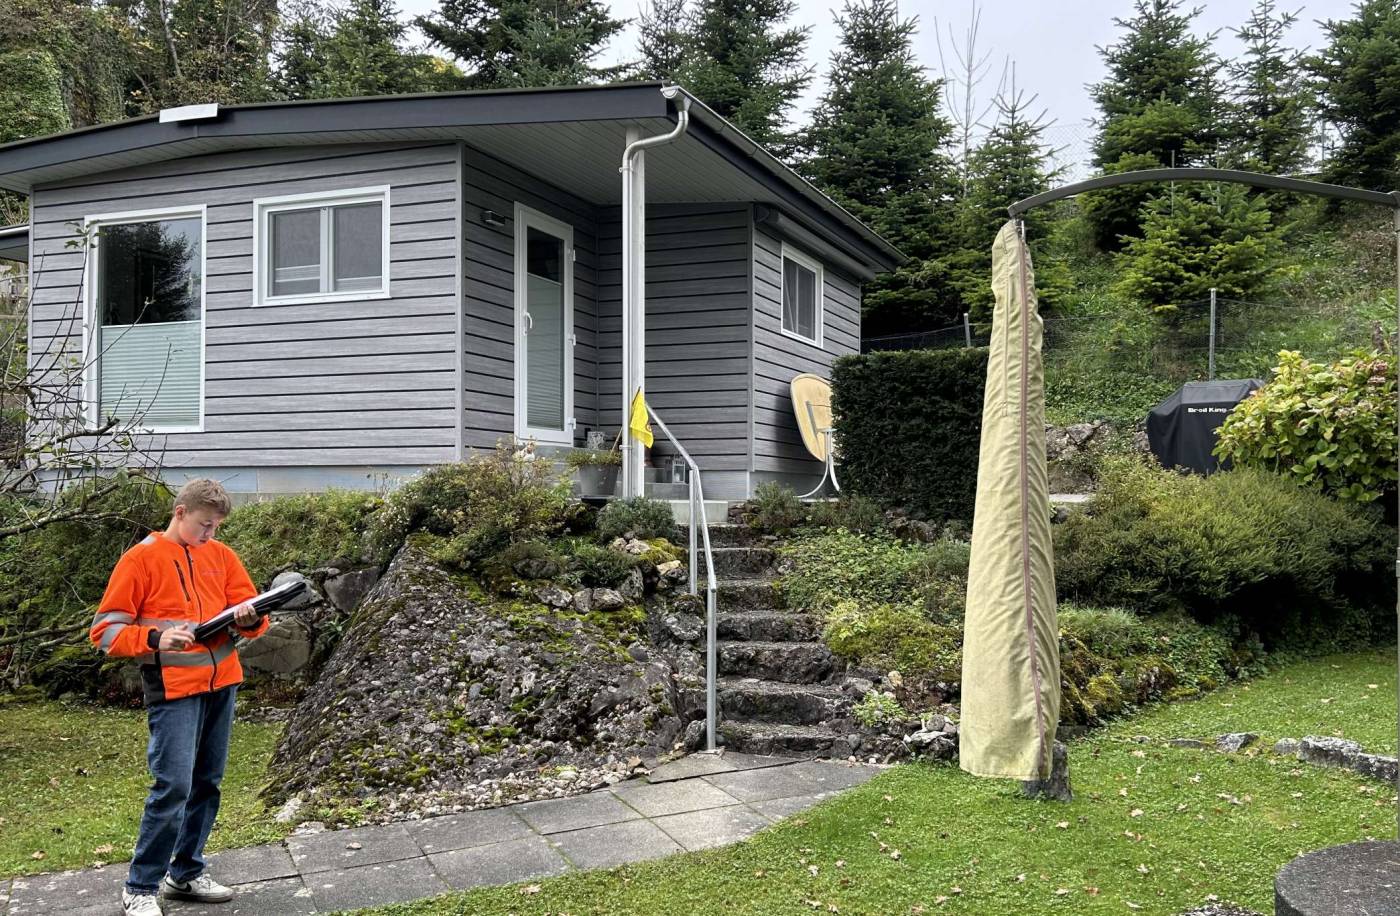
[752,700]
[790,662]
[728,536]
[767,625]
[784,740]
[746,594]
[741,562]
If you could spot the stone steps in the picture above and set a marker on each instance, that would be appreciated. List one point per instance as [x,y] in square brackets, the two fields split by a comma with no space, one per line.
[746,594]
[741,562]
[727,536]
[788,662]
[752,700]
[784,740]
[768,626]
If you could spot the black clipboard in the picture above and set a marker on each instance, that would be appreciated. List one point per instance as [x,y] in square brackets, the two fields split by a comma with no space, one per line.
[266,603]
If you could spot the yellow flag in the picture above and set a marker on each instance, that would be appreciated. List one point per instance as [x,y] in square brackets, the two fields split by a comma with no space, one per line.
[640,424]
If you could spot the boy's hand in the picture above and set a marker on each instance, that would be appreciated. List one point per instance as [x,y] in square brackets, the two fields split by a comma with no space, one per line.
[245,615]
[176,638]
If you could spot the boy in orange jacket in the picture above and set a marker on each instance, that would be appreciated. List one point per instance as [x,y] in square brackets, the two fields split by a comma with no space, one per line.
[160,590]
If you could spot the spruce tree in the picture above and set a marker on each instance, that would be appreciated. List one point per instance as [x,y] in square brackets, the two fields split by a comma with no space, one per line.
[1358,86]
[1160,105]
[876,145]
[355,51]
[662,38]
[744,62]
[1271,126]
[510,43]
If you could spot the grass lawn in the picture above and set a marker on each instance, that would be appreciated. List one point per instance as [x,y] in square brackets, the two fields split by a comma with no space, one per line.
[73,783]
[1152,830]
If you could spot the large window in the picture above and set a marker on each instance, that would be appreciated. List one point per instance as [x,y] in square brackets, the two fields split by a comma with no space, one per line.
[802,296]
[322,248]
[148,320]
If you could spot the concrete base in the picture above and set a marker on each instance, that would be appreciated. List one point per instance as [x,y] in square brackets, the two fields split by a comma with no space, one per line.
[1358,879]
[716,511]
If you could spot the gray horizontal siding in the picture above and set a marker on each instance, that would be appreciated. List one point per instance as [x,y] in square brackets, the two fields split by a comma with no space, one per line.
[488,318]
[777,358]
[697,324]
[346,383]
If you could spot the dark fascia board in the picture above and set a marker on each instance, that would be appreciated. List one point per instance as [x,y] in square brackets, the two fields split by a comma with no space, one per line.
[14,243]
[269,119]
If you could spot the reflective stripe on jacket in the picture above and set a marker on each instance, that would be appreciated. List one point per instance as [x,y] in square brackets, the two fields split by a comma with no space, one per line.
[159,584]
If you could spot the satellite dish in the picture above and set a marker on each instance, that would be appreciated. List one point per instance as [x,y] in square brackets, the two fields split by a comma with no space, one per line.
[811,402]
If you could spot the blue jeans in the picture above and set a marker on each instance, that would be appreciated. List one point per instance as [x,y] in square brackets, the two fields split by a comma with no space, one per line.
[186,755]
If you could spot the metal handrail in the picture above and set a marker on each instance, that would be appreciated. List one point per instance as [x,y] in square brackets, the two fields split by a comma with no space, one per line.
[697,510]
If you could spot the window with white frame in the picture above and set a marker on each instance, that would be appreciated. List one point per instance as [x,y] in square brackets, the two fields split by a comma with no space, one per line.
[146,288]
[322,247]
[802,296]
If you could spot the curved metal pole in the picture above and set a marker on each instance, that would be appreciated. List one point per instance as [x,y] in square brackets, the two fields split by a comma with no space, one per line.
[1232,176]
[1321,189]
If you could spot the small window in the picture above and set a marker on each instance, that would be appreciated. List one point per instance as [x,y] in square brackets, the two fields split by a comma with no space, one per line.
[802,296]
[323,248]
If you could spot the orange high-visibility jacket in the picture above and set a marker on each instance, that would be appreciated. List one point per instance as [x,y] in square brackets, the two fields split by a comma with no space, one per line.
[159,584]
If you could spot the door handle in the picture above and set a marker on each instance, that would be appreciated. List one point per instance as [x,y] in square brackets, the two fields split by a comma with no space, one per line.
[529,323]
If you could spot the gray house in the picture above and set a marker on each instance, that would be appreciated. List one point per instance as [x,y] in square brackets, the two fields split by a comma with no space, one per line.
[293,296]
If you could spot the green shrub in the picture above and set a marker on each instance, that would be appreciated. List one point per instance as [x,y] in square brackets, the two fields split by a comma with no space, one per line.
[31,95]
[601,567]
[481,505]
[640,516]
[877,708]
[909,426]
[526,560]
[1330,427]
[775,509]
[854,513]
[895,637]
[300,532]
[1245,543]
[834,565]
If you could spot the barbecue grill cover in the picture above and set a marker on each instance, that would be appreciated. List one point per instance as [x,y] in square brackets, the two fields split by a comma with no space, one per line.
[1181,430]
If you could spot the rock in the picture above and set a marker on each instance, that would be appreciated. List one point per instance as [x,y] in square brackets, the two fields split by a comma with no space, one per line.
[283,649]
[633,586]
[1328,752]
[931,743]
[685,628]
[1067,442]
[695,735]
[606,599]
[1376,767]
[1286,747]
[678,576]
[1141,739]
[536,568]
[288,812]
[583,600]
[1235,741]
[554,596]
[1220,909]
[348,589]
[857,687]
[307,598]
[638,652]
[1056,786]
[1192,743]
[669,565]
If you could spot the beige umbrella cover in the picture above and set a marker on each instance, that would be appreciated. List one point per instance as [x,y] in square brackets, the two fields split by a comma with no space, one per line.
[1011,647]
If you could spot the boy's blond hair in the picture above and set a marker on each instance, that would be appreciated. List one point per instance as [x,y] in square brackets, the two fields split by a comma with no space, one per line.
[203,493]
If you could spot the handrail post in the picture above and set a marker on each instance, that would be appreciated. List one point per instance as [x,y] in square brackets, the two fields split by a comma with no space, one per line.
[694,543]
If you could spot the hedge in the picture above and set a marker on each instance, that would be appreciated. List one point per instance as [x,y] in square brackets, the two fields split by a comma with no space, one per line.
[909,426]
[31,96]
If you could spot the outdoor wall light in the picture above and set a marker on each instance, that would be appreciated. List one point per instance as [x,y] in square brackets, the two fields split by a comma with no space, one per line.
[492,218]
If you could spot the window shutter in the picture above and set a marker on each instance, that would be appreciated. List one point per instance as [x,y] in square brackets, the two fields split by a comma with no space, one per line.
[151,372]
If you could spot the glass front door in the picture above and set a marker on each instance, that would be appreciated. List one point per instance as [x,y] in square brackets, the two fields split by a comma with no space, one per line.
[544,328]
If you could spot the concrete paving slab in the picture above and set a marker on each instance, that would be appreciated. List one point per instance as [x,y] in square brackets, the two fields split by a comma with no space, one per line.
[775,809]
[828,775]
[64,891]
[351,848]
[715,827]
[252,864]
[615,844]
[472,828]
[283,896]
[761,785]
[375,885]
[659,799]
[742,761]
[690,767]
[555,815]
[499,863]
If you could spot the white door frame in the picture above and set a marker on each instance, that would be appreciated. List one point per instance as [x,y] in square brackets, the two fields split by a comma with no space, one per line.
[525,220]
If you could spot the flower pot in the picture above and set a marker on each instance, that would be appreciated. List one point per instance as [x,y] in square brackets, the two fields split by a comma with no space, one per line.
[597,479]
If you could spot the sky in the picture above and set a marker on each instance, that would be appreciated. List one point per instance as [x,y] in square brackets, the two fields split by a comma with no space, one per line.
[1051,42]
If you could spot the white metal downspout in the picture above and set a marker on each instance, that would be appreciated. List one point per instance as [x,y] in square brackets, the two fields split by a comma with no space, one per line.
[634,204]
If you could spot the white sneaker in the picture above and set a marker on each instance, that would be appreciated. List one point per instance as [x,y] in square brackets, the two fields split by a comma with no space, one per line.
[203,889]
[140,904]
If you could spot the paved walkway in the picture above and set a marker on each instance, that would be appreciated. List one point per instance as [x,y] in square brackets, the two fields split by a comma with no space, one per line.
[697,802]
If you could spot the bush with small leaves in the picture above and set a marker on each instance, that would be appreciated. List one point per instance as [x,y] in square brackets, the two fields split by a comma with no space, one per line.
[775,509]
[639,516]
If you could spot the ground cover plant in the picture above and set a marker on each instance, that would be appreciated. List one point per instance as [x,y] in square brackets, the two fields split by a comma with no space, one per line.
[1153,829]
[73,782]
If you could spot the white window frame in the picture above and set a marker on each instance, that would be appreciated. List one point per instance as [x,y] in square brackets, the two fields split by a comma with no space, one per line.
[526,219]
[92,394]
[264,207]
[801,258]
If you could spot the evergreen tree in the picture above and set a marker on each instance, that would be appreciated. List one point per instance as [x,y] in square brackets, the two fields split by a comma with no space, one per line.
[1271,117]
[356,51]
[505,43]
[875,145]
[1011,164]
[82,40]
[662,38]
[741,61]
[1160,105]
[1358,87]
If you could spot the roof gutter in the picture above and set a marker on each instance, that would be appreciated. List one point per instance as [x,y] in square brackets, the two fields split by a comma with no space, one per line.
[786,226]
[14,243]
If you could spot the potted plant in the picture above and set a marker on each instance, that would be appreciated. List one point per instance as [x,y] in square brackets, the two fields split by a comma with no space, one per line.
[596,470]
